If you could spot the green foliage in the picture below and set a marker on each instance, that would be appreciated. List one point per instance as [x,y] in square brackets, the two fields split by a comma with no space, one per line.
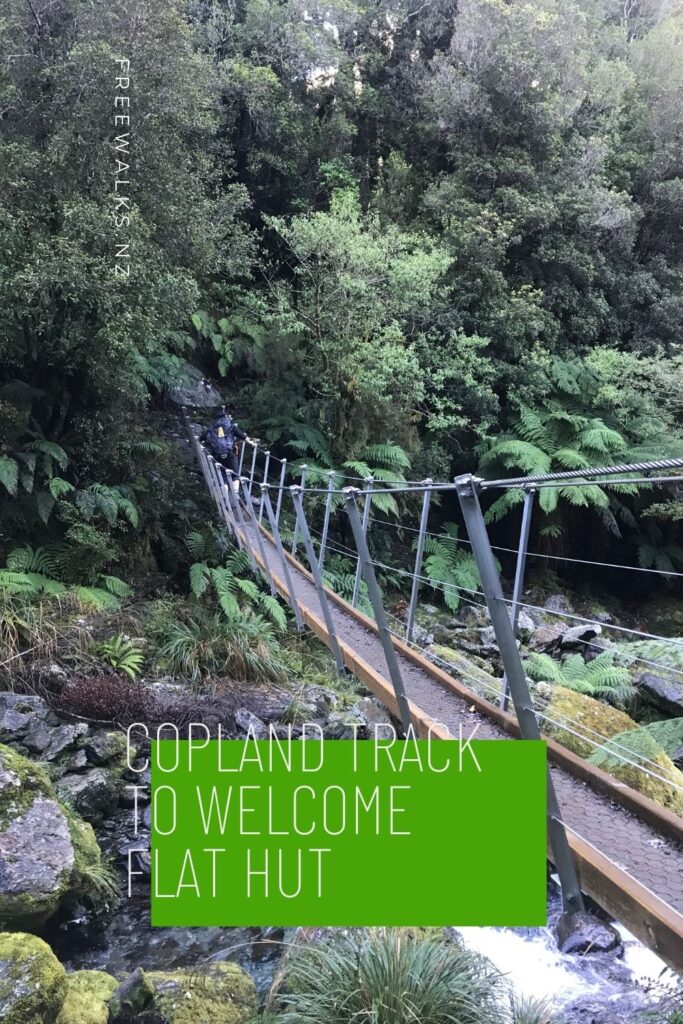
[122,654]
[548,440]
[205,645]
[599,677]
[450,567]
[388,977]
[229,587]
[641,745]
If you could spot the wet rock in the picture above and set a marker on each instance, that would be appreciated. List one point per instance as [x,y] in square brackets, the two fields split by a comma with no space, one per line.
[322,698]
[102,747]
[584,933]
[64,737]
[13,725]
[136,851]
[247,721]
[220,994]
[422,637]
[546,638]
[87,997]
[344,725]
[665,691]
[94,793]
[525,623]
[77,762]
[134,995]
[46,854]
[32,980]
[677,757]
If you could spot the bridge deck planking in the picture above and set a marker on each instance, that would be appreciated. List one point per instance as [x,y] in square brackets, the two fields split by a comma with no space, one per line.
[630,867]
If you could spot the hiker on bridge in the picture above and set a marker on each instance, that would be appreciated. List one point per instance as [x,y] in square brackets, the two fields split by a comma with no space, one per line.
[222,437]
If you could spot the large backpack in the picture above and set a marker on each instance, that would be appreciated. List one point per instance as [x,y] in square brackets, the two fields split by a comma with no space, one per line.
[221,437]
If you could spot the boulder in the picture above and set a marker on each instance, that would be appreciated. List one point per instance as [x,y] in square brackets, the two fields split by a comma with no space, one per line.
[87,998]
[246,720]
[46,853]
[93,794]
[577,721]
[102,747]
[583,933]
[576,637]
[132,997]
[64,737]
[32,981]
[220,994]
[664,690]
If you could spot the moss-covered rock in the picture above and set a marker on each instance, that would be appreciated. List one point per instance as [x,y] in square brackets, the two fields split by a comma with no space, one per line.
[578,722]
[47,854]
[131,998]
[32,980]
[87,998]
[222,994]
[470,671]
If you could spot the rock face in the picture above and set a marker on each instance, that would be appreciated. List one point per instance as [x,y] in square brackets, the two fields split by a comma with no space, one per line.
[133,996]
[223,994]
[45,851]
[87,998]
[92,794]
[33,983]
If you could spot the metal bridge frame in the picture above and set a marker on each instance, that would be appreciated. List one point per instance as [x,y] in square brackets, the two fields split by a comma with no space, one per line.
[222,486]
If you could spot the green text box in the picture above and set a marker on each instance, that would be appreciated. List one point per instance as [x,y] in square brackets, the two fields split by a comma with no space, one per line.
[475,855]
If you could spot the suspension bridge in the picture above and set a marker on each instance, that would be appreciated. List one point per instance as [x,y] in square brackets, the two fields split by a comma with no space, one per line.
[606,839]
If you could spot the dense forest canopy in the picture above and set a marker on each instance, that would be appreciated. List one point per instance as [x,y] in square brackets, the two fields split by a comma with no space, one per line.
[449,228]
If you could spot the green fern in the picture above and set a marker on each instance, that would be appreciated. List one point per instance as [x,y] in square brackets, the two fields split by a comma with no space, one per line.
[599,677]
[450,567]
[9,474]
[643,745]
[554,439]
[122,654]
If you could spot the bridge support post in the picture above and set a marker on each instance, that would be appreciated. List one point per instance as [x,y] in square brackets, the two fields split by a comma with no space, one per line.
[302,485]
[328,508]
[277,540]
[243,448]
[527,512]
[421,537]
[297,498]
[467,490]
[265,481]
[251,515]
[239,519]
[253,467]
[369,481]
[375,594]
[278,503]
[222,500]
[215,483]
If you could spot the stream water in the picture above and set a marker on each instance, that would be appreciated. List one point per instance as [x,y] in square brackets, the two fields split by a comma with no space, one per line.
[593,989]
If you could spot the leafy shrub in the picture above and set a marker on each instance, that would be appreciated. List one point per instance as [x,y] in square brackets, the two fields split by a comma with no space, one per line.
[387,977]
